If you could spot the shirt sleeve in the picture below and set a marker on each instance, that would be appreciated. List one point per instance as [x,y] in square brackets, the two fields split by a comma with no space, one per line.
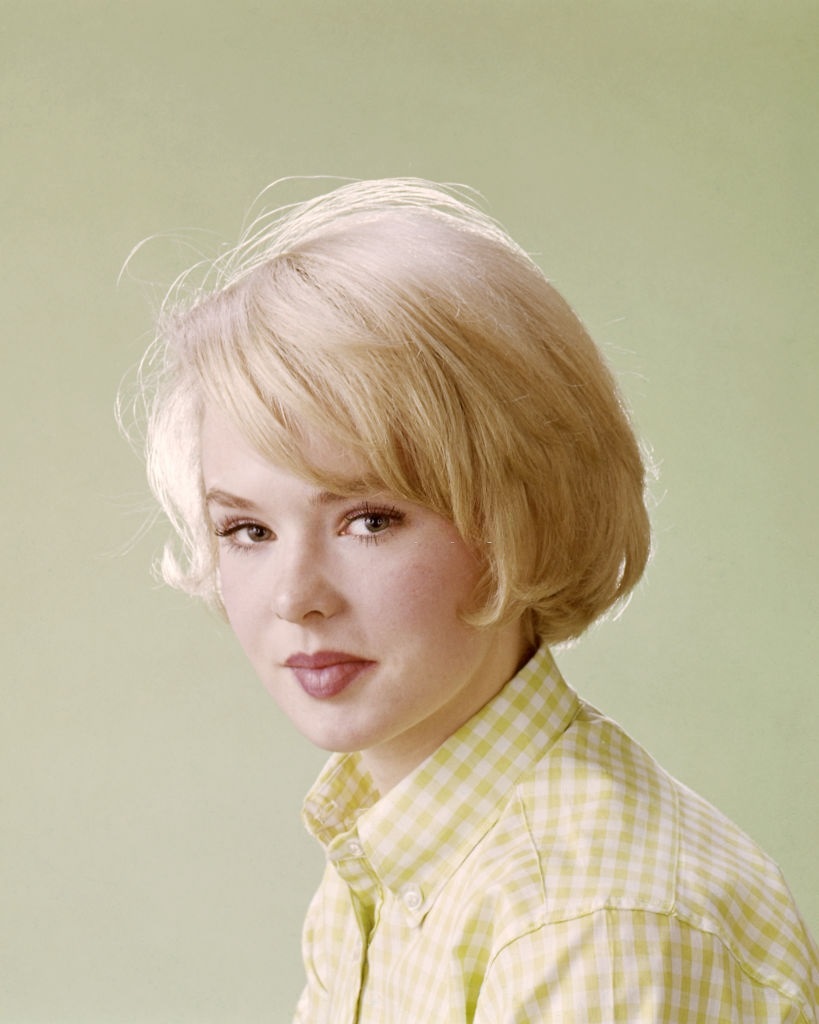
[631,966]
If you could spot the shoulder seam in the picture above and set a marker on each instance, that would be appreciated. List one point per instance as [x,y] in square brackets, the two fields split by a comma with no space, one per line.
[798,1001]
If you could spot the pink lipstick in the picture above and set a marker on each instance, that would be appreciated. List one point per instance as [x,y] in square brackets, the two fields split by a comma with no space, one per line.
[326,673]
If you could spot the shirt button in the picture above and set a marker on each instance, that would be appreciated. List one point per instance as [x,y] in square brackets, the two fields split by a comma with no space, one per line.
[412,896]
[355,849]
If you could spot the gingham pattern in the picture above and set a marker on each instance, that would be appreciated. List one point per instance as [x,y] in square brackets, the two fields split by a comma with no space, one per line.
[540,866]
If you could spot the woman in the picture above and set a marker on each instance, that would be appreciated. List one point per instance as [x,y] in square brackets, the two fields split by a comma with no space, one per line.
[397,462]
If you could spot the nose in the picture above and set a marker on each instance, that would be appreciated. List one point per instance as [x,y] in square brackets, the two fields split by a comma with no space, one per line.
[303,586]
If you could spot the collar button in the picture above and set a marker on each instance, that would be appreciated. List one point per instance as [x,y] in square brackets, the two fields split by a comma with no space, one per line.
[412,896]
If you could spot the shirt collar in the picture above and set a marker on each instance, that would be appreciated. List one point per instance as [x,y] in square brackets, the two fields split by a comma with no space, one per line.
[419,833]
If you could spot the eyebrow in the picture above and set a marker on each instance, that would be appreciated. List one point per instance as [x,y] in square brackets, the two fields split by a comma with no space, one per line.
[320,498]
[219,497]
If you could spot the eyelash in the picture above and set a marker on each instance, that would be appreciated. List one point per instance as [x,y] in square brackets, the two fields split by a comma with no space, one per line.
[228,529]
[392,515]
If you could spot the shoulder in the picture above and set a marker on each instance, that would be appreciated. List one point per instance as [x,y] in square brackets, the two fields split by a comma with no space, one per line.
[611,827]
[622,852]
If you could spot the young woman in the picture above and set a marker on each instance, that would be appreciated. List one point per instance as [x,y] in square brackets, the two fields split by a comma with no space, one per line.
[397,462]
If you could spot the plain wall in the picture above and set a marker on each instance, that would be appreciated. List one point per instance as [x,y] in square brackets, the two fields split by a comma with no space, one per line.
[660,160]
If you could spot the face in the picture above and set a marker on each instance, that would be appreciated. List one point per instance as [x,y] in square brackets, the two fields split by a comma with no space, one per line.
[348,608]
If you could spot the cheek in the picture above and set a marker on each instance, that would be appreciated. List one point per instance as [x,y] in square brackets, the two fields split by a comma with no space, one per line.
[239,598]
[433,594]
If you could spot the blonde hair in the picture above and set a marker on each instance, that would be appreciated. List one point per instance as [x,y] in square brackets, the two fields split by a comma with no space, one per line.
[397,318]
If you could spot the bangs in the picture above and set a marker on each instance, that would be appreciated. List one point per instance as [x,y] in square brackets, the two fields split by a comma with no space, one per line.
[287,362]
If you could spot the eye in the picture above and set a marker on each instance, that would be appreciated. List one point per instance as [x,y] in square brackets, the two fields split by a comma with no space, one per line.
[370,523]
[242,533]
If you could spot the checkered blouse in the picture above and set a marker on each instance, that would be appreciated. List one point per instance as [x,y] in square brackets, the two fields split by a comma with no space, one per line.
[540,866]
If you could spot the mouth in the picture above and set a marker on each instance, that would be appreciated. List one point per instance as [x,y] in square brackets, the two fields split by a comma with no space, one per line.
[325,674]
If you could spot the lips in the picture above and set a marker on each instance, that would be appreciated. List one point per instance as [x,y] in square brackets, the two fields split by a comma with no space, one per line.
[325,674]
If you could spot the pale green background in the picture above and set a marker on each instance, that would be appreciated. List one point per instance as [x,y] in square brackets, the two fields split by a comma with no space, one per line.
[661,160]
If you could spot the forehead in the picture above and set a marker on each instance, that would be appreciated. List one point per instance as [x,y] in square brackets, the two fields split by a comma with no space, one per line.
[318,459]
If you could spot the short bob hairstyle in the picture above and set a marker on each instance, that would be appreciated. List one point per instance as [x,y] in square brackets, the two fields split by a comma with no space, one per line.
[398,319]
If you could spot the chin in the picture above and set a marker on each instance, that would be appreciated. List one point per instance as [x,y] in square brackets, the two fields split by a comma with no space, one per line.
[334,741]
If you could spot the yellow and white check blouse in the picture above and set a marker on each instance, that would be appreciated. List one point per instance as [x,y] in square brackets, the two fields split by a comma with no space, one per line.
[540,866]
